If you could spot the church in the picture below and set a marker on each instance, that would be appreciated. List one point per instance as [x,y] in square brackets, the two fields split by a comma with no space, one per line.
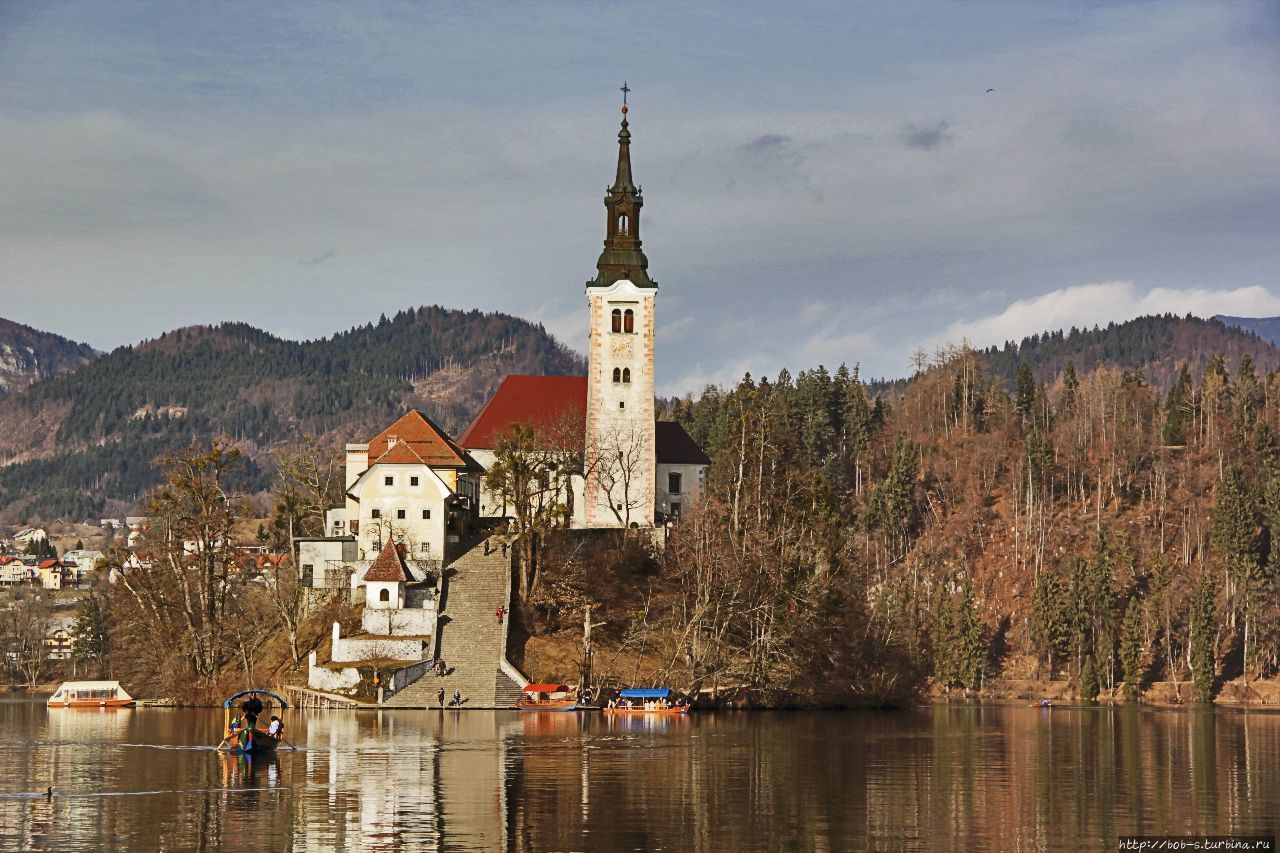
[615,465]
[635,472]
[413,542]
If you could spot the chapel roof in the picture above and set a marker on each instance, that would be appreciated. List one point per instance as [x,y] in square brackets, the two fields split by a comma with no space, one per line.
[555,406]
[388,566]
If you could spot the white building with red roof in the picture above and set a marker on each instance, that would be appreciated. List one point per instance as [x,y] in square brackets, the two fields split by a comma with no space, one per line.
[411,483]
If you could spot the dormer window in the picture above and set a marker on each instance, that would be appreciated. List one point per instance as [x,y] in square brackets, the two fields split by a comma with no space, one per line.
[617,320]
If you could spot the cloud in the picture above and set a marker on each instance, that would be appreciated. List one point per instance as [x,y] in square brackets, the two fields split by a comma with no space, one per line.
[926,136]
[766,144]
[1087,305]
[317,260]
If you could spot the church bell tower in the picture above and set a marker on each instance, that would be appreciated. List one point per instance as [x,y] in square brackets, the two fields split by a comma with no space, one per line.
[620,458]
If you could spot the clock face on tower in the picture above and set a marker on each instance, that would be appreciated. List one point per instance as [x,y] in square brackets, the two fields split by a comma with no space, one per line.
[622,346]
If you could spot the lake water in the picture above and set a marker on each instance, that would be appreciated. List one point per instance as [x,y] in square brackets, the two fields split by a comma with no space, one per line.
[964,777]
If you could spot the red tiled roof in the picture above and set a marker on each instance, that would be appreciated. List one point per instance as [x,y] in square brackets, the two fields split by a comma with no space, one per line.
[4,561]
[401,454]
[427,440]
[49,564]
[552,405]
[388,566]
[674,446]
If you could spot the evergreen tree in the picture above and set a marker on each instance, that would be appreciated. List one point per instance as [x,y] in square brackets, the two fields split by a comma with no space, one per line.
[1131,648]
[1203,626]
[1025,391]
[1070,383]
[1176,409]
[1050,619]
[1233,537]
[1089,680]
[91,639]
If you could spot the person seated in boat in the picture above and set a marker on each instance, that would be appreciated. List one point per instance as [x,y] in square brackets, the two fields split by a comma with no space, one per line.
[276,728]
[251,722]
[1046,703]
[230,734]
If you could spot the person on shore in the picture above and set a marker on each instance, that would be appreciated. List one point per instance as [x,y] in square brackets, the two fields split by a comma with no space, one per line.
[501,610]
[457,699]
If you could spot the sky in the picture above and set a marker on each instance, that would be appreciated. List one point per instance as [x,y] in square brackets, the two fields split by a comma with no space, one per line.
[824,182]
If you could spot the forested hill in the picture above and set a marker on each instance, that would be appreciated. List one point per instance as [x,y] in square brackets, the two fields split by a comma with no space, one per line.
[1267,328]
[78,440]
[28,355]
[1158,345]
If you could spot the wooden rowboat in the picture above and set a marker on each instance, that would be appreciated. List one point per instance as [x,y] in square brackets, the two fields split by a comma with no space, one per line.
[245,738]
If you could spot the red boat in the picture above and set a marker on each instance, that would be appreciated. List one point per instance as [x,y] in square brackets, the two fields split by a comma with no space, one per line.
[547,697]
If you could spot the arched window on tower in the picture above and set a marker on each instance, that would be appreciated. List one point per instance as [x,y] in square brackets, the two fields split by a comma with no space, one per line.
[384,594]
[617,319]
[626,375]
[628,321]
[622,225]
[617,375]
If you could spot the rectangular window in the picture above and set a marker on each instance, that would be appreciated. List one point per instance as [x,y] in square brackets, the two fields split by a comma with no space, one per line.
[400,513]
[673,483]
[675,509]
[375,513]
[308,573]
[388,481]
[426,514]
[413,481]
[425,547]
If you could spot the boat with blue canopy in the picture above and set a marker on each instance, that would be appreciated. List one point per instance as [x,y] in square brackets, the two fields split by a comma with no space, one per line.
[646,700]
[241,734]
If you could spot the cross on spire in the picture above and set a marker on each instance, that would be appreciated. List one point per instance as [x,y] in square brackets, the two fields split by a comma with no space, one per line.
[625,89]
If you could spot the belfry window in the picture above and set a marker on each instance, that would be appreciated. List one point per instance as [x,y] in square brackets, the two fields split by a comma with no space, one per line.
[617,320]
[617,375]
[628,321]
[626,375]
[384,595]
[622,225]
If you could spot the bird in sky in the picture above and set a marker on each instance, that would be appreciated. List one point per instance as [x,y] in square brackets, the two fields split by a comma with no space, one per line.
[989,91]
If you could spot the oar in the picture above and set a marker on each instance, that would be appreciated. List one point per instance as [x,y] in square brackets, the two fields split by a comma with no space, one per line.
[286,740]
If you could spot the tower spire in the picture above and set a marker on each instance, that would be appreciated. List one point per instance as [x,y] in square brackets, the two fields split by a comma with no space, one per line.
[622,257]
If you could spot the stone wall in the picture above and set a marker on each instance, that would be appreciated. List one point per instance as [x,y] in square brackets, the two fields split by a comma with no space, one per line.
[331,680]
[415,622]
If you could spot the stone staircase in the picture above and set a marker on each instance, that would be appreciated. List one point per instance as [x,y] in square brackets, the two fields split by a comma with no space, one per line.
[468,636]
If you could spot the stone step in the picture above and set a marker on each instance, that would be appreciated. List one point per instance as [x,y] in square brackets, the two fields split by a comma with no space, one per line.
[469,637]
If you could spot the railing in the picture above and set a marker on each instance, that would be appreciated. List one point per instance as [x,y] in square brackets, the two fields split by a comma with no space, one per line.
[402,678]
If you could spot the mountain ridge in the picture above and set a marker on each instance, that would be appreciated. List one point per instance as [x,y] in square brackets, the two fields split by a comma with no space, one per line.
[28,355]
[72,443]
